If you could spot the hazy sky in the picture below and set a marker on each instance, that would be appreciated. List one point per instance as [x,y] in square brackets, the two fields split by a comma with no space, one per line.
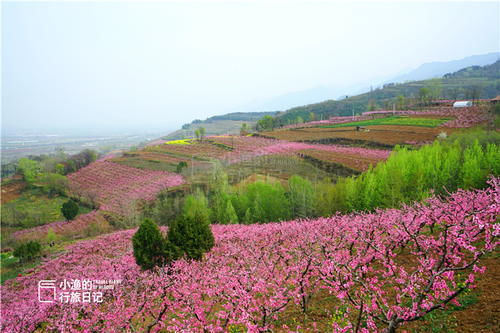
[162,64]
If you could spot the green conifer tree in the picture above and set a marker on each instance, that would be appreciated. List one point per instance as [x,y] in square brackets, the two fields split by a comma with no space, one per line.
[192,235]
[230,216]
[150,247]
[69,210]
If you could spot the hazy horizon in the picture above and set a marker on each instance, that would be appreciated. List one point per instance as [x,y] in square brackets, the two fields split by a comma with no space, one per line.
[157,65]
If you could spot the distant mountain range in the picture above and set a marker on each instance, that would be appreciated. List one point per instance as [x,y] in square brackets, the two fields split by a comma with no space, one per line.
[458,85]
[440,68]
[326,92]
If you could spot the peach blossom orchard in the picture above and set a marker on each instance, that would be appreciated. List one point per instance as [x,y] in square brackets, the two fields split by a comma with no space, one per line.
[114,187]
[255,272]
[462,117]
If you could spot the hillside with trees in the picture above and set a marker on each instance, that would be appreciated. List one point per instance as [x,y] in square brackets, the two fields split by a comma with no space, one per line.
[230,123]
[470,83]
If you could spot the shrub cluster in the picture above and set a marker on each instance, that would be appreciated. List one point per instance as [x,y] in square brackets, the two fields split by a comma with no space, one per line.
[188,236]
[410,175]
[463,160]
[69,210]
[28,251]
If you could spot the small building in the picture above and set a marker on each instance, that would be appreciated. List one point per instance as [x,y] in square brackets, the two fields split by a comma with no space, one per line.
[495,100]
[462,104]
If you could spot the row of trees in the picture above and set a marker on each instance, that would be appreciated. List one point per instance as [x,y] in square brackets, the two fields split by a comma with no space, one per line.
[269,123]
[461,161]
[60,162]
[48,172]
[51,183]
[199,133]
[256,202]
[431,92]
[410,175]
[189,233]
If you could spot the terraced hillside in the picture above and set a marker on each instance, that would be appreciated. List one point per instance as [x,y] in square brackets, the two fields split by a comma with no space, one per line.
[387,128]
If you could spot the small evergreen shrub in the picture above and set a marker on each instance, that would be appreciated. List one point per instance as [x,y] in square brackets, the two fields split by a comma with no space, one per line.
[192,235]
[181,166]
[69,210]
[150,247]
[28,251]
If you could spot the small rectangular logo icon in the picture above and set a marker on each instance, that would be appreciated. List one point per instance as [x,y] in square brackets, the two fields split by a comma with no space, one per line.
[47,291]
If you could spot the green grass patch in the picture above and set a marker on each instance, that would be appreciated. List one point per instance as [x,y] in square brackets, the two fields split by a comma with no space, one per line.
[140,163]
[395,120]
[11,266]
[444,320]
[221,145]
[34,208]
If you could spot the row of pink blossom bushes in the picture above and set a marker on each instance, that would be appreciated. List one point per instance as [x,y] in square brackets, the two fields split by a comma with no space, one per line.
[407,175]
[81,226]
[277,147]
[462,117]
[246,148]
[114,187]
[382,269]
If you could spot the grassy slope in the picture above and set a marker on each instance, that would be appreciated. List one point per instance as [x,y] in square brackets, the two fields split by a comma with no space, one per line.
[34,208]
[398,121]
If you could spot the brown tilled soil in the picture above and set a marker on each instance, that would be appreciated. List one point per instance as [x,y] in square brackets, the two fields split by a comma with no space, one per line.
[389,135]
[481,315]
[12,190]
[355,162]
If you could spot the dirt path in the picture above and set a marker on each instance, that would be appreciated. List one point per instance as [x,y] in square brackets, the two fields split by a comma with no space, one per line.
[12,190]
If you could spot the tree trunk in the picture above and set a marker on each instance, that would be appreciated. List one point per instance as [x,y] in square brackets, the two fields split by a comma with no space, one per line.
[393,325]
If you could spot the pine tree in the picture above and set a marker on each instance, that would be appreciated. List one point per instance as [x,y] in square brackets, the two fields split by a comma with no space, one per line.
[192,235]
[230,214]
[247,219]
[150,248]
[69,210]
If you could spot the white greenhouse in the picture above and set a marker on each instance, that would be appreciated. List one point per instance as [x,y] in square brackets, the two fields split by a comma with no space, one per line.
[462,104]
